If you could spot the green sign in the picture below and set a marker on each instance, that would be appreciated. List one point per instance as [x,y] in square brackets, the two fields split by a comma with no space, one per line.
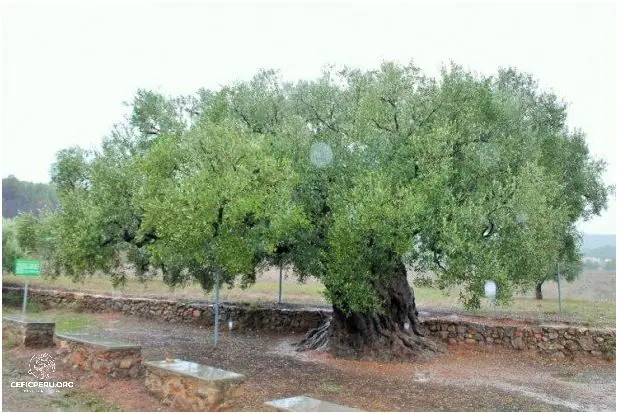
[25,267]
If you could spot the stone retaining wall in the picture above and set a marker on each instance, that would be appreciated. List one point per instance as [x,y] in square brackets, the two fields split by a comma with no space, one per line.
[554,340]
[244,316]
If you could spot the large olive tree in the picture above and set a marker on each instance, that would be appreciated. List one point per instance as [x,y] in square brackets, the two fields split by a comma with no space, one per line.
[350,177]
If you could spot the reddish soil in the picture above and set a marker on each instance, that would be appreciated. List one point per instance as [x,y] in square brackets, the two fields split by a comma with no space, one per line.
[464,379]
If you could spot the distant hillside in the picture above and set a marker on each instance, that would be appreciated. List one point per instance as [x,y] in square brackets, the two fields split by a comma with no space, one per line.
[594,241]
[603,252]
[18,196]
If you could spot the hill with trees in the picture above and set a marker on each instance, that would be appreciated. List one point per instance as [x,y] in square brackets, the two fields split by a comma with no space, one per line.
[24,196]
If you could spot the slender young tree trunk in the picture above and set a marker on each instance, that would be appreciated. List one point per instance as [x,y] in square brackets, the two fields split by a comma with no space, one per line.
[539,291]
[393,334]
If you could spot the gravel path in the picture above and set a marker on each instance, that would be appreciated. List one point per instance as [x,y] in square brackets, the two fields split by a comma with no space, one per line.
[468,379]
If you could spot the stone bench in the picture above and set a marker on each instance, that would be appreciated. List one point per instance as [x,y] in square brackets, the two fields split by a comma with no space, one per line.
[307,404]
[190,386]
[29,331]
[101,356]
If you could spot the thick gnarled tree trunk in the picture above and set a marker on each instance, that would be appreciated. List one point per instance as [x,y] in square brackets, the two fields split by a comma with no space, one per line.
[394,334]
[538,292]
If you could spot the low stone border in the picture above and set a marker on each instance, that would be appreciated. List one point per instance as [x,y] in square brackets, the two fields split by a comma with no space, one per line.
[307,404]
[28,331]
[101,356]
[553,340]
[190,386]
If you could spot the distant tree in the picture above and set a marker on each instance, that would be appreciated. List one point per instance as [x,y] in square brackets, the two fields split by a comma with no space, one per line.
[349,178]
[10,247]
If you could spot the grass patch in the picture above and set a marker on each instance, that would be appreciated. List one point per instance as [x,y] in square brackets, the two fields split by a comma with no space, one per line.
[66,319]
[70,322]
[77,400]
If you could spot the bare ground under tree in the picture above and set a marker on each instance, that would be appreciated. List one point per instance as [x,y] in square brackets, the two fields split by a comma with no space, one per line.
[464,379]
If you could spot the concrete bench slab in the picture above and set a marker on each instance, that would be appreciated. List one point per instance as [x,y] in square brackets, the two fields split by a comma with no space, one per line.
[307,404]
[190,386]
[29,331]
[97,341]
[102,356]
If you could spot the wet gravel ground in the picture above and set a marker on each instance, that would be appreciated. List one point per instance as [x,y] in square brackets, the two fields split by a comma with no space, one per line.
[465,379]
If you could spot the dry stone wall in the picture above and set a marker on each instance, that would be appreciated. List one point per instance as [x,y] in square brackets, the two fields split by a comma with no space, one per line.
[553,340]
[244,316]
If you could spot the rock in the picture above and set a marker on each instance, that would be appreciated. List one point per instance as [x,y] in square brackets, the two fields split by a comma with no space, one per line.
[196,314]
[518,343]
[136,370]
[126,363]
[553,335]
[585,342]
[599,339]
[558,355]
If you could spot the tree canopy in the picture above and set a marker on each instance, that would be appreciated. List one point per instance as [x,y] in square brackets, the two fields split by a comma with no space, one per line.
[472,177]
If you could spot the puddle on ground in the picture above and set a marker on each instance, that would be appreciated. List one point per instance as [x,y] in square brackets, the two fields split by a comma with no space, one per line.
[581,377]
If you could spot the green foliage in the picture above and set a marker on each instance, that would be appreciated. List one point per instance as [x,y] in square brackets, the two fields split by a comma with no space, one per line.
[10,246]
[27,228]
[473,178]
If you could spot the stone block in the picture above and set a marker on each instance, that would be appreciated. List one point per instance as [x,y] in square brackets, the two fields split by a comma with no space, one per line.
[191,386]
[101,356]
[31,332]
[307,404]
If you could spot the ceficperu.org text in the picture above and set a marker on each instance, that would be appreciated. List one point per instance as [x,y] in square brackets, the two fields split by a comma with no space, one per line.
[41,384]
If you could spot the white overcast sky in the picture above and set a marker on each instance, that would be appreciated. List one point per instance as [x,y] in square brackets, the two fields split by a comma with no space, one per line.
[67,67]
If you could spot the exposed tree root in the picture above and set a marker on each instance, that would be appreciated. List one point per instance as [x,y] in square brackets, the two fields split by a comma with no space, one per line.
[394,334]
[316,339]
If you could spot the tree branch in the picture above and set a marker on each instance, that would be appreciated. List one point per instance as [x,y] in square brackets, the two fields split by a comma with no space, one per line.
[383,128]
[318,117]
